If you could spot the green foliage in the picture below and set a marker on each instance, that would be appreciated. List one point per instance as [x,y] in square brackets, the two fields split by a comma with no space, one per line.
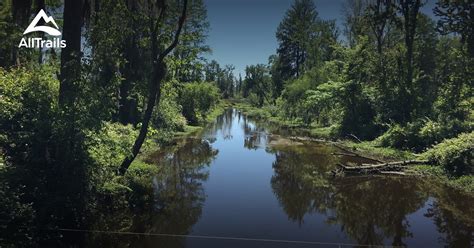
[456,17]
[256,85]
[107,149]
[456,155]
[188,62]
[28,107]
[8,34]
[168,116]
[293,35]
[420,134]
[140,176]
[14,213]
[197,99]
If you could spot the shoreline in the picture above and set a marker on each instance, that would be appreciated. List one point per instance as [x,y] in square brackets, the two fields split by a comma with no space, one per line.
[366,149]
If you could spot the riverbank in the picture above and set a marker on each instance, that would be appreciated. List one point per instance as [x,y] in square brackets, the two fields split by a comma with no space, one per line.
[189,130]
[210,117]
[368,149]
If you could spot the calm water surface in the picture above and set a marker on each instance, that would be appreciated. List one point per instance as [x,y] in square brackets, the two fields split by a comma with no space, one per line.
[243,179]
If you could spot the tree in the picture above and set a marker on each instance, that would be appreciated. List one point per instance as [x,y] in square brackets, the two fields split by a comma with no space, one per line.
[293,35]
[457,17]
[188,53]
[158,74]
[71,54]
[225,81]
[257,81]
[409,10]
[211,71]
[379,14]
[353,11]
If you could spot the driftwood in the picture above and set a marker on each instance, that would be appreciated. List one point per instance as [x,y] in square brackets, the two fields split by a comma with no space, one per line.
[391,168]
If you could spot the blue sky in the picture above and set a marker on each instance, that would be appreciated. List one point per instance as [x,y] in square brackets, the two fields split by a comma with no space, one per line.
[243,31]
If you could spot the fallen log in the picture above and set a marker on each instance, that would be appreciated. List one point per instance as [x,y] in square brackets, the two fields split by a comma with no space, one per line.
[397,173]
[384,168]
[354,154]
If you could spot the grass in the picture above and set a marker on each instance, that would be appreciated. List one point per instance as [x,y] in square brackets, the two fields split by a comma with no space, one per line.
[383,153]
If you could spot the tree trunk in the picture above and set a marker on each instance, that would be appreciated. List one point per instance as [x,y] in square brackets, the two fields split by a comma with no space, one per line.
[71,54]
[409,9]
[159,73]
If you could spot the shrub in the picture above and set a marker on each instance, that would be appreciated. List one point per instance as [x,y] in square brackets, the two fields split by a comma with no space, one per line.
[420,134]
[107,148]
[456,155]
[140,175]
[398,136]
[168,116]
[197,100]
[28,107]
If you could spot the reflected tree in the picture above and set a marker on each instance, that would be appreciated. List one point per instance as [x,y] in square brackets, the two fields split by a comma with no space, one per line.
[370,210]
[452,214]
[299,181]
[255,135]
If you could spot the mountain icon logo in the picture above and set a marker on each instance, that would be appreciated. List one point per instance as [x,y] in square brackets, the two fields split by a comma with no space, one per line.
[47,19]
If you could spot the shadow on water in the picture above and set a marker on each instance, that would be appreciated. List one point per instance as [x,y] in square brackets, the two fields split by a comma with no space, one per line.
[243,178]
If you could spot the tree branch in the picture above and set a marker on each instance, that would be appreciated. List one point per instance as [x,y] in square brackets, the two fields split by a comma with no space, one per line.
[178,31]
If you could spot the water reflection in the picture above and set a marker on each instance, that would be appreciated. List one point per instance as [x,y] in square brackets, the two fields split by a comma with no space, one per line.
[453,212]
[269,187]
[370,210]
[298,171]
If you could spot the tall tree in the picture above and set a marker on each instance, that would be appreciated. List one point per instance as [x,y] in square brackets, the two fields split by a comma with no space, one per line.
[21,11]
[158,56]
[409,10]
[257,81]
[353,11]
[294,34]
[379,14]
[71,54]
[191,47]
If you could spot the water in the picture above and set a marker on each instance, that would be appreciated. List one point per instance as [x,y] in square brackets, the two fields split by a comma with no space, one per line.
[242,183]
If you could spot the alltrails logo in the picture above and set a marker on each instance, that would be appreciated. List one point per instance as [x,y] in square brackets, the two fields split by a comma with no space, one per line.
[40,42]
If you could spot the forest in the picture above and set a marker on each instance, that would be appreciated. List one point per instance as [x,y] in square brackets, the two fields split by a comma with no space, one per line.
[76,121]
[393,79]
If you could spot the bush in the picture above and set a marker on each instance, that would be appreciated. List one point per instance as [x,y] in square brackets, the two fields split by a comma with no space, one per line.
[456,155]
[107,148]
[420,134]
[197,100]
[398,136]
[168,116]
[28,107]
[140,175]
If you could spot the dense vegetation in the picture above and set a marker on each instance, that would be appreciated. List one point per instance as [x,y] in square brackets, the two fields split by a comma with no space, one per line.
[397,77]
[74,121]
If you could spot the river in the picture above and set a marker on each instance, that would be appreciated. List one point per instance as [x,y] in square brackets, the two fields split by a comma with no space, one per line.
[243,183]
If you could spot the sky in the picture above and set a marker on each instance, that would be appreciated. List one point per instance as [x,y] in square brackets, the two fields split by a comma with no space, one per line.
[242,32]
